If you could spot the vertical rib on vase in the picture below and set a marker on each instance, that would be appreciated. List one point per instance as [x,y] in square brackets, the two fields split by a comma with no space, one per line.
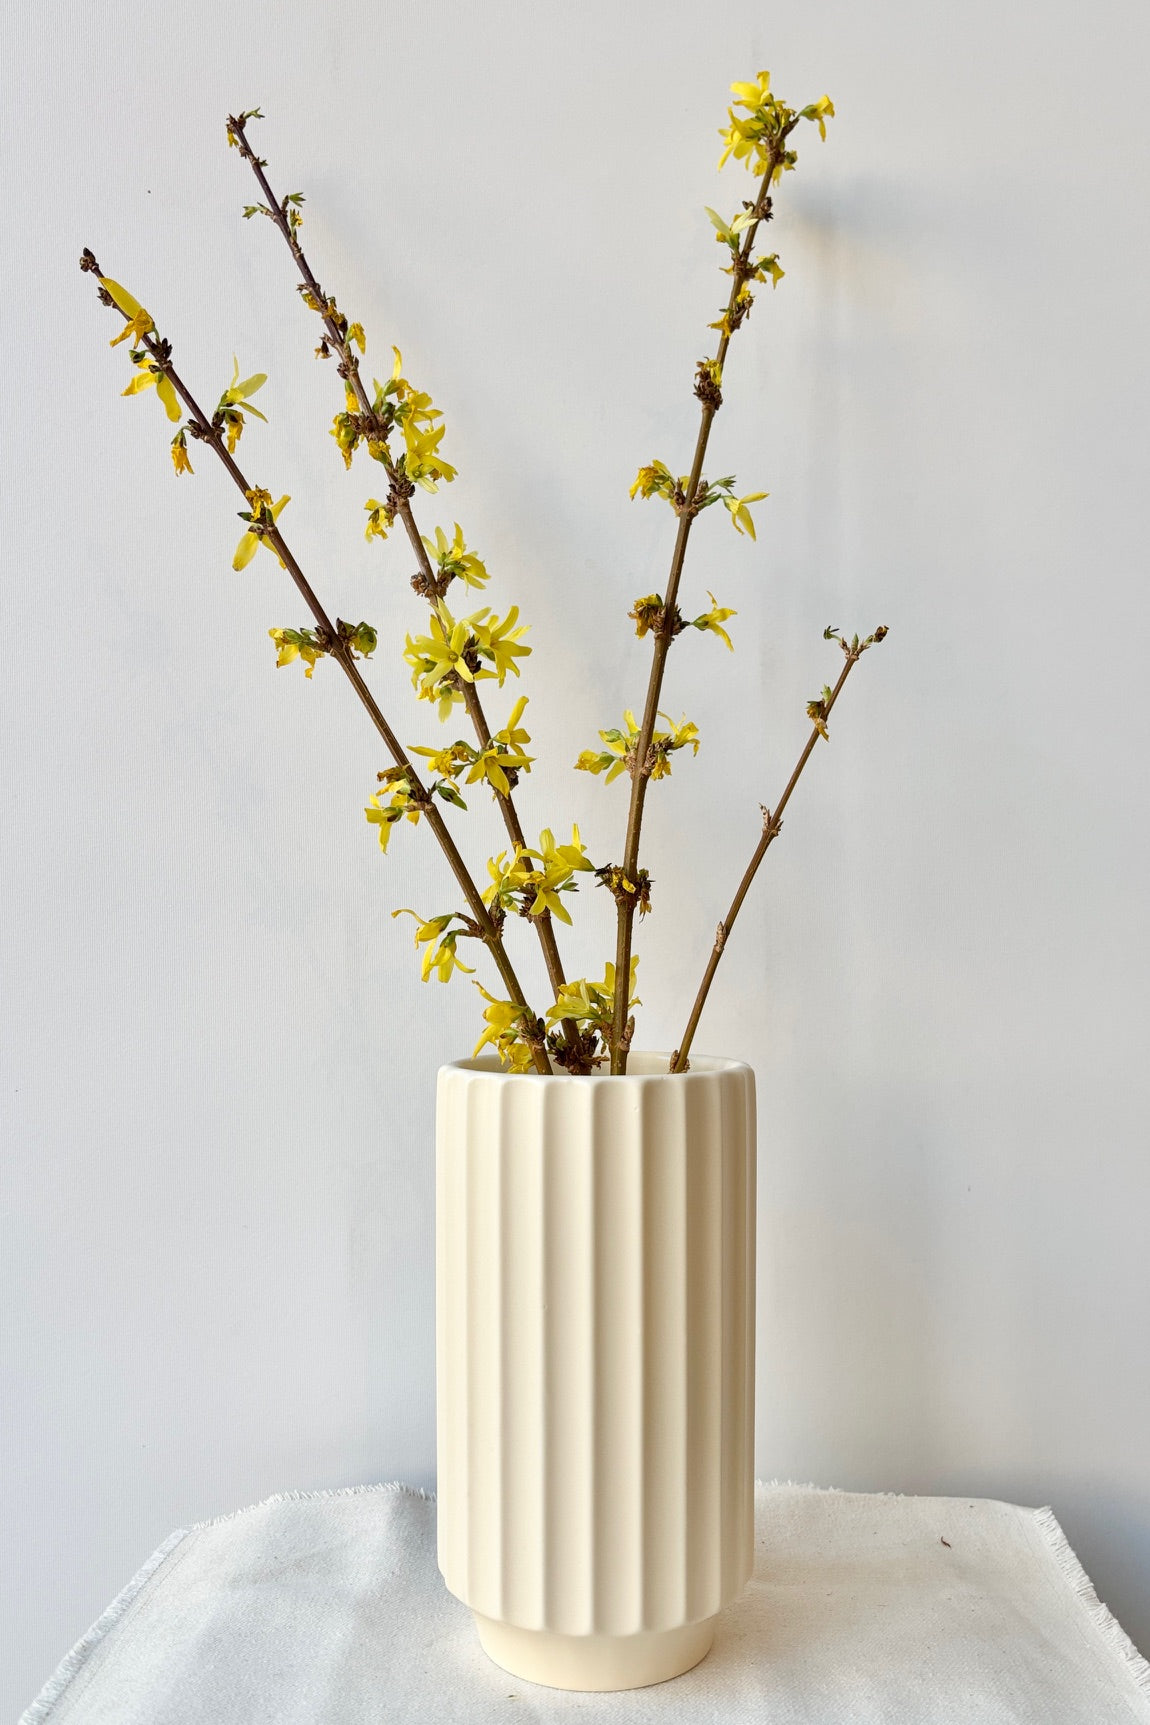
[595,1279]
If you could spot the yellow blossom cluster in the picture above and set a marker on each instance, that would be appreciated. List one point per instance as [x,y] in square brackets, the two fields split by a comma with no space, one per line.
[765,266]
[150,360]
[138,325]
[649,613]
[657,480]
[503,755]
[396,800]
[438,939]
[504,1030]
[757,269]
[415,416]
[396,403]
[303,644]
[532,880]
[758,136]
[309,646]
[618,754]
[591,1004]
[463,650]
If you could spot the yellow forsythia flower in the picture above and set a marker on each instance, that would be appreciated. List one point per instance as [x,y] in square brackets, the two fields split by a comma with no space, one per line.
[307,644]
[619,754]
[379,517]
[616,757]
[557,865]
[180,459]
[497,640]
[234,403]
[138,324]
[727,233]
[393,802]
[454,559]
[714,620]
[593,1003]
[436,935]
[422,460]
[149,376]
[504,1031]
[820,111]
[435,656]
[758,138]
[503,752]
[654,480]
[740,514]
[262,510]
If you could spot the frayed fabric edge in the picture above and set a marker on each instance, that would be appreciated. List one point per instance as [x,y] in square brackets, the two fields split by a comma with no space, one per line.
[391,1486]
[807,1485]
[73,1662]
[40,1710]
[1103,1619]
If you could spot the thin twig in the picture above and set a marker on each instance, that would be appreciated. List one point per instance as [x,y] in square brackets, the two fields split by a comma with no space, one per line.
[209,433]
[772,823]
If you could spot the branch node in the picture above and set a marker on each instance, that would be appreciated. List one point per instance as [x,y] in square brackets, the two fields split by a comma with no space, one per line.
[630,895]
[707,385]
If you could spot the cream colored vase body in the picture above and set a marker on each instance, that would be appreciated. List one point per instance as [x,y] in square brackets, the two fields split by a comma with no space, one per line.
[595,1283]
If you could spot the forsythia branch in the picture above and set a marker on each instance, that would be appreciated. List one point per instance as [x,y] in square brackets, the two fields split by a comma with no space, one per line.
[213,432]
[772,825]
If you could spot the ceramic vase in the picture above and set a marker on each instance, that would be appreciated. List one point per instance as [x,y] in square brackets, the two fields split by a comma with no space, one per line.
[595,1281]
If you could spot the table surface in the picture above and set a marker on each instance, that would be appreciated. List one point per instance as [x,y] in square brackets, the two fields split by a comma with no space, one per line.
[328,1609]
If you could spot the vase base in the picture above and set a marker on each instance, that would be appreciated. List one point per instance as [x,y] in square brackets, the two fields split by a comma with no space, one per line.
[598,1662]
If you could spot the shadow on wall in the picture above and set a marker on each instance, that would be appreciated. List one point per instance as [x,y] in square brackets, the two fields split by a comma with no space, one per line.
[856,1373]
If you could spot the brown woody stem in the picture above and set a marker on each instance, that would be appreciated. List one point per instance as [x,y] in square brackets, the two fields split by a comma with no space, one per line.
[349,364]
[210,434]
[663,636]
[771,825]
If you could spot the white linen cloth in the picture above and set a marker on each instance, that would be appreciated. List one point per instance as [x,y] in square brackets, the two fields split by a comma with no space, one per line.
[328,1609]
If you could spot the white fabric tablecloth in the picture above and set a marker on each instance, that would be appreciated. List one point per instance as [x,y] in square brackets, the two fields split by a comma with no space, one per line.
[328,1609]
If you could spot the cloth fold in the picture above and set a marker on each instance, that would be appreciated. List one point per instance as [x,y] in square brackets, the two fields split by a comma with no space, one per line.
[326,1608]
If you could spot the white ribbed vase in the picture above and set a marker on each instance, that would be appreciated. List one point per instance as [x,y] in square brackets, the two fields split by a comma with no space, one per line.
[595,1283]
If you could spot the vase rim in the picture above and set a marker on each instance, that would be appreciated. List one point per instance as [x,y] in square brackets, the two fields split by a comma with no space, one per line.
[644,1065]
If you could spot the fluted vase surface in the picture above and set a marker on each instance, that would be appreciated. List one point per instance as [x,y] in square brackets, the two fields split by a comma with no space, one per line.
[595,1280]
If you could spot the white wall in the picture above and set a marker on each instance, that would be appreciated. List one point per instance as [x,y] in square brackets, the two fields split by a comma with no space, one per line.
[218,1059]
